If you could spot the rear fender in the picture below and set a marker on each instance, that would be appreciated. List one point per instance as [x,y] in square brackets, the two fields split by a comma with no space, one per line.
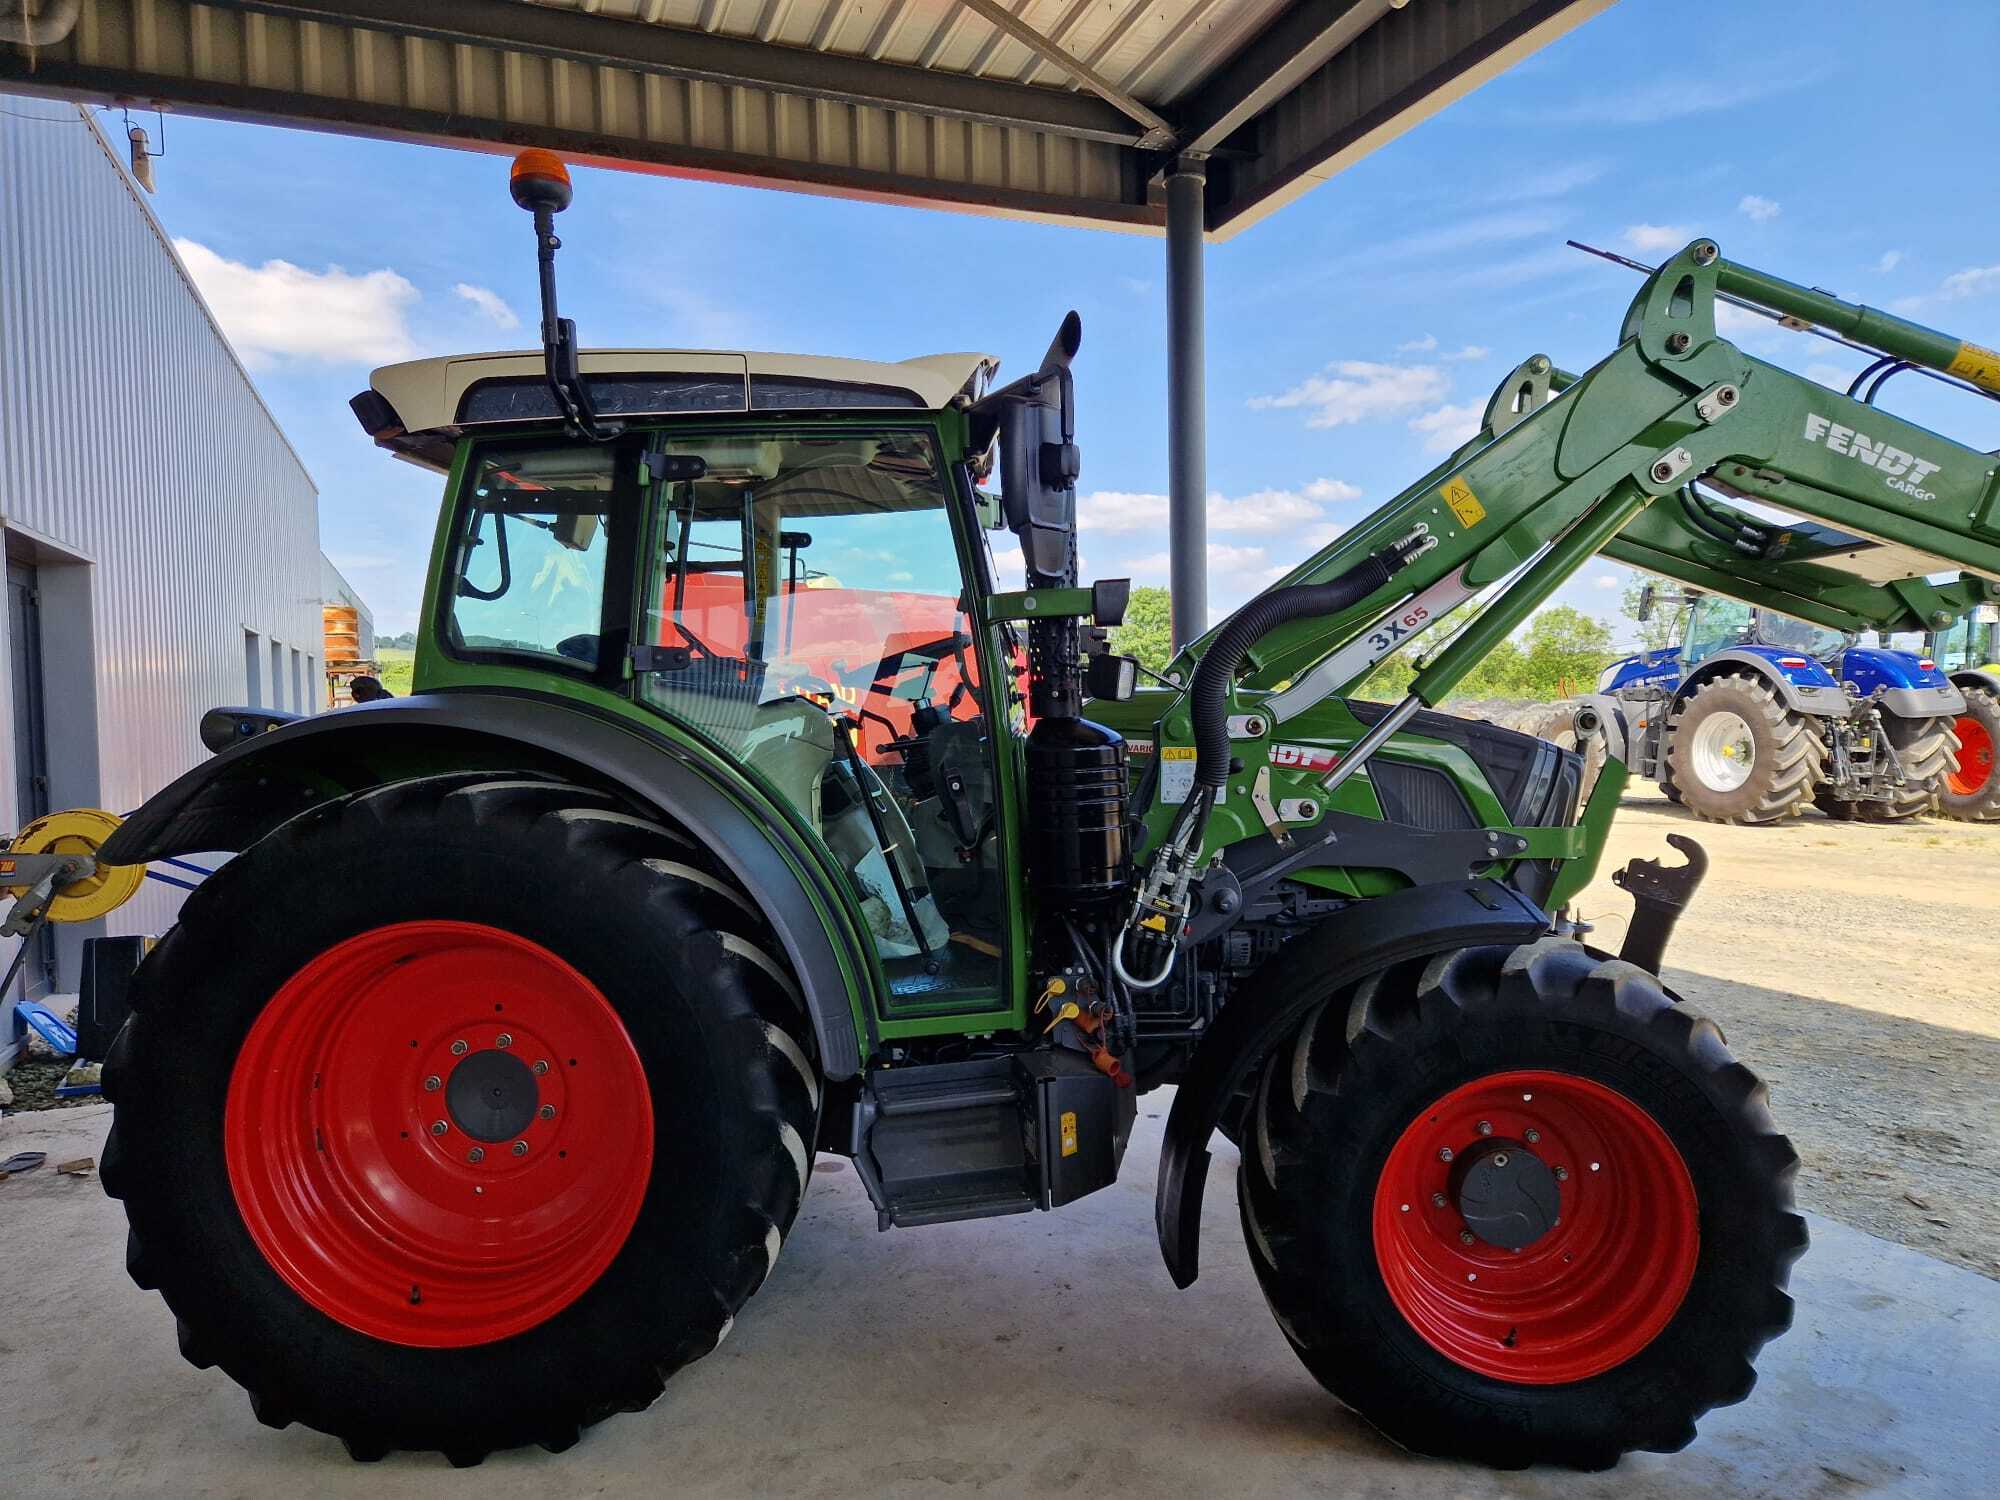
[1370,935]
[1804,690]
[235,799]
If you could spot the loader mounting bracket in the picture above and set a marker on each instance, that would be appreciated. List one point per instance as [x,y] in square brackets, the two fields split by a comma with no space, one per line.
[1660,893]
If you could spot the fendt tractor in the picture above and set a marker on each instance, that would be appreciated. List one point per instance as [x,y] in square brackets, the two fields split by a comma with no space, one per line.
[1756,714]
[477,1093]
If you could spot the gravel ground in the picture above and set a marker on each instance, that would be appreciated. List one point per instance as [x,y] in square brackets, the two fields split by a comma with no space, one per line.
[1857,969]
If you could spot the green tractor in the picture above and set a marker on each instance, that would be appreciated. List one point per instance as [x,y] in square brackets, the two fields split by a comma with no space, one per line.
[1969,653]
[738,814]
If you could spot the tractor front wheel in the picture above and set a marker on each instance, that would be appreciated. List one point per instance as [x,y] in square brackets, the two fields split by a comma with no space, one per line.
[1736,754]
[458,1114]
[1971,790]
[1516,1206]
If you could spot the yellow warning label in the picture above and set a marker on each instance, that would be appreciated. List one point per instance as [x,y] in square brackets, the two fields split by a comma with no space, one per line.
[1978,364]
[1464,504]
[1069,1132]
[1177,752]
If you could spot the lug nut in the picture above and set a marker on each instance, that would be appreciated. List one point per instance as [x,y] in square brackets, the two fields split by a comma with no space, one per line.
[1562,1174]
[432,1084]
[1438,1200]
[476,1154]
[1486,1127]
[505,1039]
[541,1067]
[458,1049]
[1444,1153]
[1533,1136]
[438,1127]
[547,1111]
[1465,1236]
[520,1148]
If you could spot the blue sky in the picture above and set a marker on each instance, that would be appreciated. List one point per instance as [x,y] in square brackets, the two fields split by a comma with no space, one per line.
[1841,143]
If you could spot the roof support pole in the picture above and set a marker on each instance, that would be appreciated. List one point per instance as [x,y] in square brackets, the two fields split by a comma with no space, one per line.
[1187,406]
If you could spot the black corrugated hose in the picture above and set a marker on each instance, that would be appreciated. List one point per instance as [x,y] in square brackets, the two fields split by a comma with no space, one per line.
[1208,694]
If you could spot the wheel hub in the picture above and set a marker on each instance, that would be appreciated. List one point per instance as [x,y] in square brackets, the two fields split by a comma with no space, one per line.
[1509,1197]
[492,1095]
[439,1133]
[1535,1226]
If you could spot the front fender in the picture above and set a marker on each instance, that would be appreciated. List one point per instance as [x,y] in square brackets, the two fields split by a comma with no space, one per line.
[231,801]
[1369,935]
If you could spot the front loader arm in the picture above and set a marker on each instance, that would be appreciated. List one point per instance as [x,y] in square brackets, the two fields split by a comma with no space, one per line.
[1569,467]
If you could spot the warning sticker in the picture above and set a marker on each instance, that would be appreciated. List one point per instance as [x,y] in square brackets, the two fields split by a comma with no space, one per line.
[1464,504]
[1069,1132]
[1978,364]
[1176,772]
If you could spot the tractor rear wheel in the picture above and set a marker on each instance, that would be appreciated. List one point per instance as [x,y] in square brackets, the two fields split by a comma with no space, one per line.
[1971,790]
[1517,1206]
[1736,754]
[460,1113]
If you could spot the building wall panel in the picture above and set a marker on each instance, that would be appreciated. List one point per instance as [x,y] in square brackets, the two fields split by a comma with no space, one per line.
[132,439]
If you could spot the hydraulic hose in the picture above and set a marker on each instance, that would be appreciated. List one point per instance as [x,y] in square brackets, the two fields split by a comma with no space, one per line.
[1208,694]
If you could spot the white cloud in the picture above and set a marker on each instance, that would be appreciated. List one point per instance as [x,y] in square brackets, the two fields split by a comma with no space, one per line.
[1469,352]
[1974,282]
[1332,489]
[1232,570]
[1423,345]
[1757,209]
[1889,261]
[1446,427]
[1124,513]
[488,302]
[1834,377]
[1605,581]
[1354,390]
[1656,236]
[282,311]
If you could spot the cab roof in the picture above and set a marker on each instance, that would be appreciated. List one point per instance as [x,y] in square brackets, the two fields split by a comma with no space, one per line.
[420,409]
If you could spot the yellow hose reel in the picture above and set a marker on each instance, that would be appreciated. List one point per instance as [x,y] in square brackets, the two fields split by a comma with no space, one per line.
[77,831]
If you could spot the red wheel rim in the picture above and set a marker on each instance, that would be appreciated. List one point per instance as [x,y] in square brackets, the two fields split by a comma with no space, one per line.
[1974,767]
[438,1239]
[1596,1288]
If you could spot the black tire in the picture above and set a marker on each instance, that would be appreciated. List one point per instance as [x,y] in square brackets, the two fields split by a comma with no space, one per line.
[1786,761]
[1371,1062]
[696,982]
[1927,749]
[1971,788]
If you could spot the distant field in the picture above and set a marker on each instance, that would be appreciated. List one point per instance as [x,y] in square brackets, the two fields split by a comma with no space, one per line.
[396,665]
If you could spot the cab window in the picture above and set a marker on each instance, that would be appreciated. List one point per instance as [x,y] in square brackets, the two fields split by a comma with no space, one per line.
[803,611]
[527,573]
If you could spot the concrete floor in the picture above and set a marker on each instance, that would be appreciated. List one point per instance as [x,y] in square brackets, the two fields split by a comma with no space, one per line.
[1044,1354]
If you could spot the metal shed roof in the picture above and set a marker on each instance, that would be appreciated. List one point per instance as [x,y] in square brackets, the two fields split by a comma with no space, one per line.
[1060,109]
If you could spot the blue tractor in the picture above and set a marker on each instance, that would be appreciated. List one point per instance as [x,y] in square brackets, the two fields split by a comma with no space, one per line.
[1755,714]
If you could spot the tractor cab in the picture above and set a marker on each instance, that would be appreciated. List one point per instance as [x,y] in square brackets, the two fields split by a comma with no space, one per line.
[774,556]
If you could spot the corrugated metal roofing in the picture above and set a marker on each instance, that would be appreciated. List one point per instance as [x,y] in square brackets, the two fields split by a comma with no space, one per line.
[935,101]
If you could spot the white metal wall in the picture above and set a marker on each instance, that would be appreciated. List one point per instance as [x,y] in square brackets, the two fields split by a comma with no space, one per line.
[130,437]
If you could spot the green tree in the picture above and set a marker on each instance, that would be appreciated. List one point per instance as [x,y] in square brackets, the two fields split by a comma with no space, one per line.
[1563,651]
[1663,629]
[1148,631]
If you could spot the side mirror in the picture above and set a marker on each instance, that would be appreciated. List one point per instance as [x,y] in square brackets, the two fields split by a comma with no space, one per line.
[1645,610]
[1039,460]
